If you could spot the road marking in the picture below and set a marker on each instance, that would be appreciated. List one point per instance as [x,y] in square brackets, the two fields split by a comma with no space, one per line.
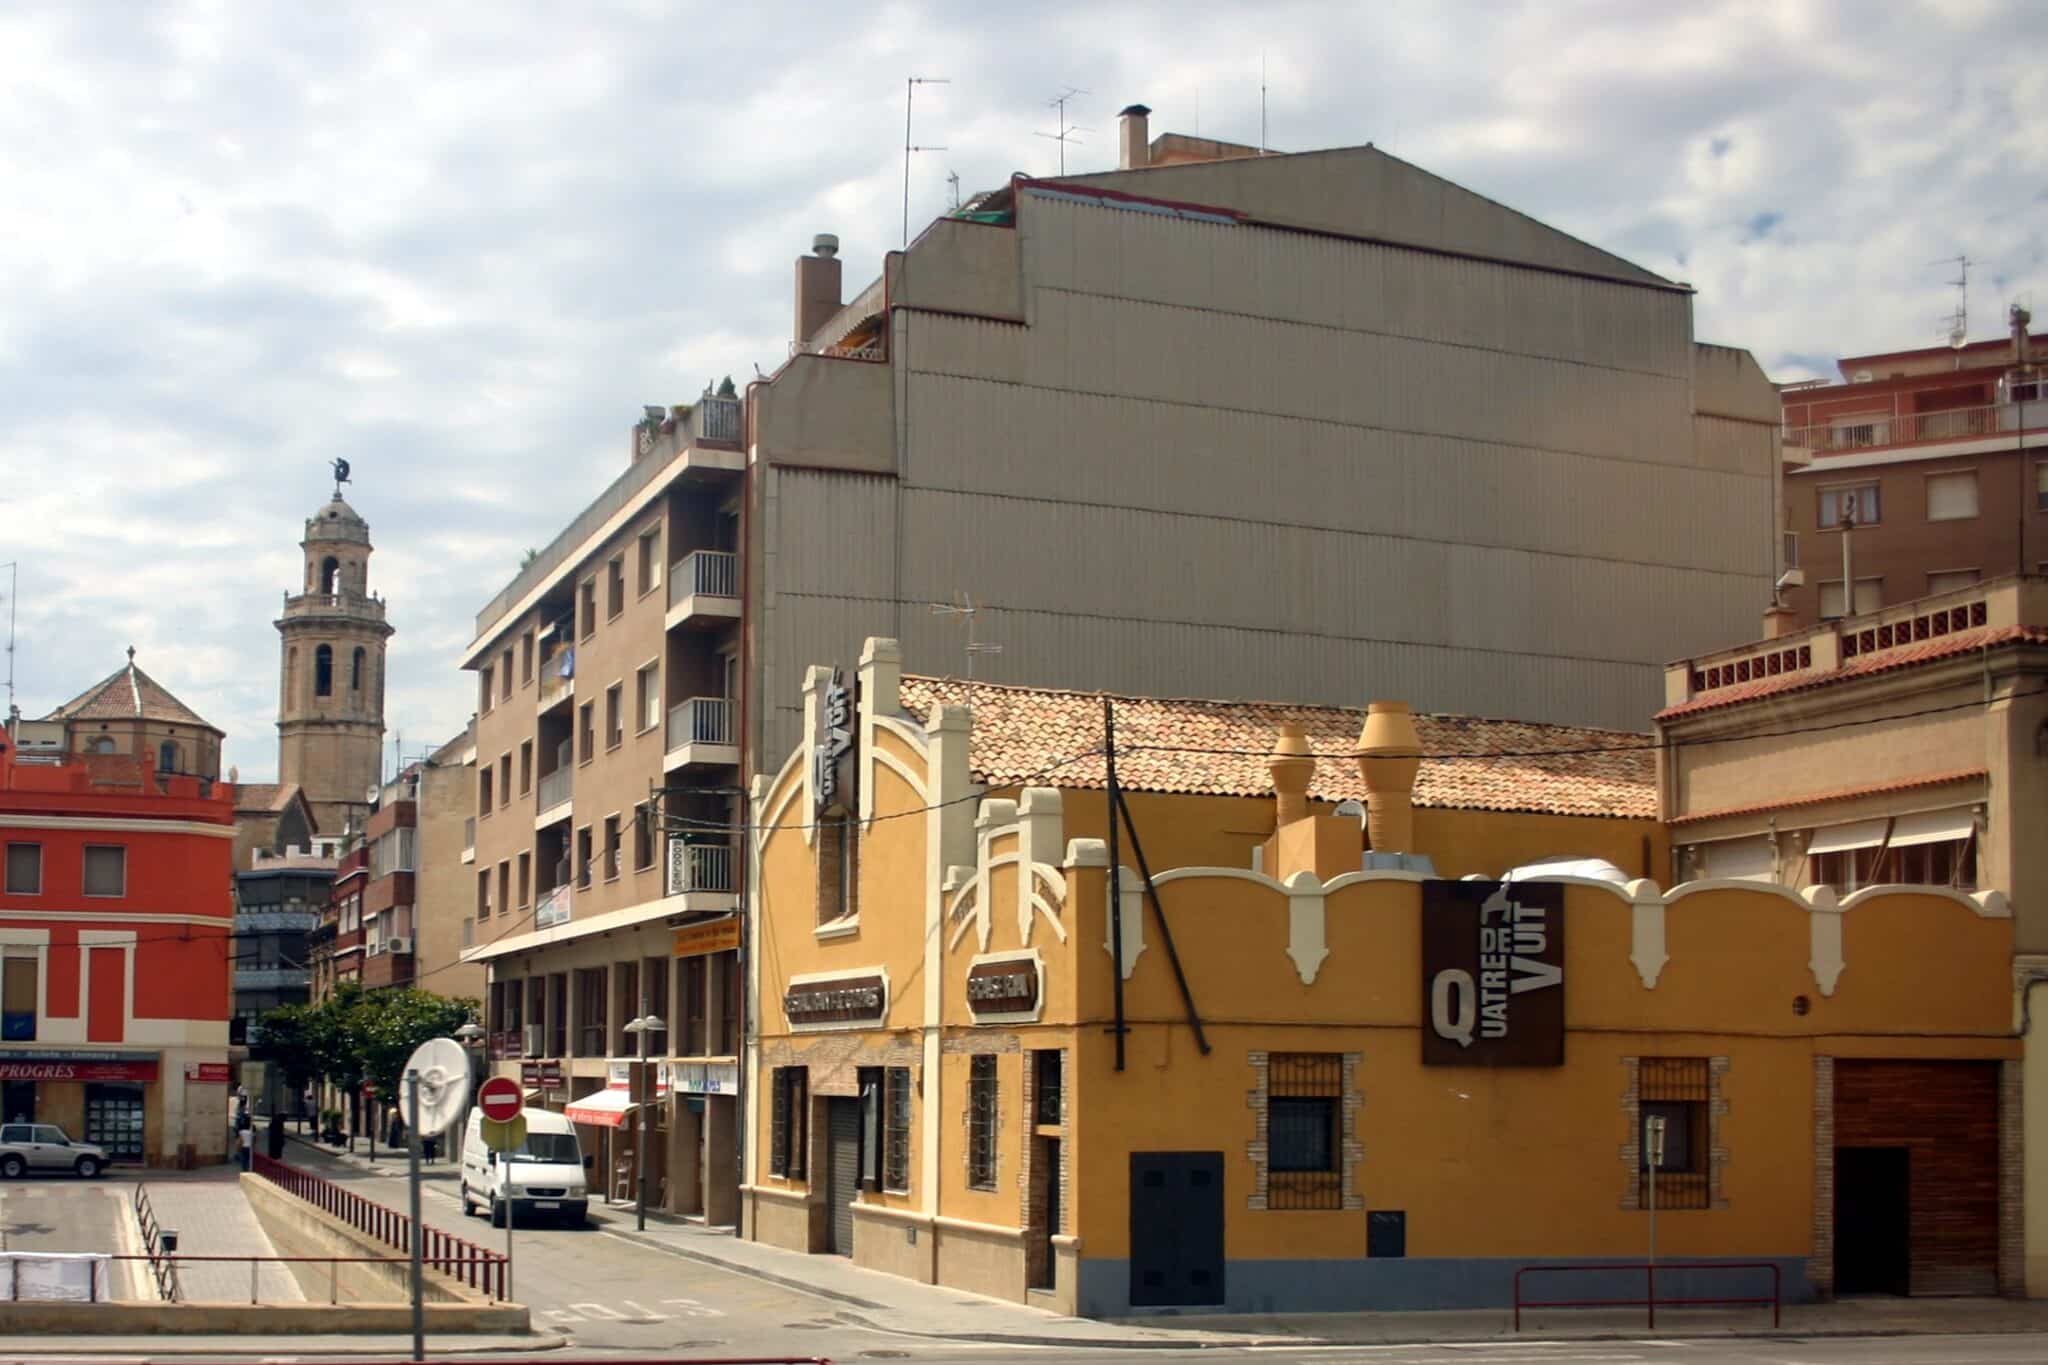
[693,1309]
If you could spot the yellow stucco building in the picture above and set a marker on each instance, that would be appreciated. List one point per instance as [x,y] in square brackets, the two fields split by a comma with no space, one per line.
[1356,1070]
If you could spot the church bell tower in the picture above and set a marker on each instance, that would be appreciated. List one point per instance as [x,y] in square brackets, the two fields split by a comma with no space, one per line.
[330,711]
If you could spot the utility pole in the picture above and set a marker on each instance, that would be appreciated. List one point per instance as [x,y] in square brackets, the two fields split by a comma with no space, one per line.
[1653,1155]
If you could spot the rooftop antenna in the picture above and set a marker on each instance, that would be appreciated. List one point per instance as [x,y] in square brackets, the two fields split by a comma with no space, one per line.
[909,94]
[1262,101]
[13,584]
[1958,328]
[966,610]
[1067,130]
[953,179]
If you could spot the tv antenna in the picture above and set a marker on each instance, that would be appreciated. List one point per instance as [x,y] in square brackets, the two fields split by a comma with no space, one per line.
[1958,322]
[910,85]
[1067,130]
[13,586]
[953,180]
[965,609]
[1262,101]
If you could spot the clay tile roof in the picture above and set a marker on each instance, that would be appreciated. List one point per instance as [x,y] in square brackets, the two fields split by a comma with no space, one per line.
[128,693]
[1025,736]
[1863,666]
[265,796]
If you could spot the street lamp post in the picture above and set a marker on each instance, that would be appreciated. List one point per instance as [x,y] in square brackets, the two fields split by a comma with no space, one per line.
[647,1023]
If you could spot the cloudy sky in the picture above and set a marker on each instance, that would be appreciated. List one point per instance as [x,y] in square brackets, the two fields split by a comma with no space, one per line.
[461,244]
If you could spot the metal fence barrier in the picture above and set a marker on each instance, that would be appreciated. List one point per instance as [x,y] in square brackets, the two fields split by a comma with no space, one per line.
[455,1256]
[1650,1301]
[164,1272]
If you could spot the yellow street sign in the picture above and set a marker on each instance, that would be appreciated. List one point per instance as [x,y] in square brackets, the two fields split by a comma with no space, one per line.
[505,1137]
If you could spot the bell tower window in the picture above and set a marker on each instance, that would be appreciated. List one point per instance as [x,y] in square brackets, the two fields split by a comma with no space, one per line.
[330,576]
[323,671]
[355,671]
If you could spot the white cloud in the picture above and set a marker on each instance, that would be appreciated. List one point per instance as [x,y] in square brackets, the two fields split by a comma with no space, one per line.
[461,245]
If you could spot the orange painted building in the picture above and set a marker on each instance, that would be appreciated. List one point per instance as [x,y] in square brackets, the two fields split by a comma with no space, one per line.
[1289,1064]
[115,920]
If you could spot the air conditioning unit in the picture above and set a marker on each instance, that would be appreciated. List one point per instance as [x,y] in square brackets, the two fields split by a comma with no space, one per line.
[536,1041]
[398,943]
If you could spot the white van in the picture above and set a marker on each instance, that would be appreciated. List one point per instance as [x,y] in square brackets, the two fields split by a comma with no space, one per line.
[543,1177]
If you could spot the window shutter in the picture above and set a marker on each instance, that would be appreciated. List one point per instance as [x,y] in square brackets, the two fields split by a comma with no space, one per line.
[1952,497]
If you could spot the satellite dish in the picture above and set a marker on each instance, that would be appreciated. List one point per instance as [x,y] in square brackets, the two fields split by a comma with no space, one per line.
[1351,809]
[444,1084]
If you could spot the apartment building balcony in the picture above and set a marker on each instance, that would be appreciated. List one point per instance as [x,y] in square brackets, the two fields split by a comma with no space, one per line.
[699,867]
[704,589]
[321,935]
[552,799]
[557,682]
[1900,422]
[554,907]
[271,978]
[386,968]
[703,730]
[277,921]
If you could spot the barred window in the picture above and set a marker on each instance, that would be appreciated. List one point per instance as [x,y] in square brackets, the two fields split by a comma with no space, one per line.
[788,1087]
[1304,1130]
[1677,1090]
[1046,1100]
[896,1153]
[981,1123]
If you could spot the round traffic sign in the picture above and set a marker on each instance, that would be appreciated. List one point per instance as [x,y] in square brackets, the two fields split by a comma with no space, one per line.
[499,1098]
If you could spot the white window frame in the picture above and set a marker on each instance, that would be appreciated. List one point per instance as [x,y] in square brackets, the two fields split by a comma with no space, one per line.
[1876,488]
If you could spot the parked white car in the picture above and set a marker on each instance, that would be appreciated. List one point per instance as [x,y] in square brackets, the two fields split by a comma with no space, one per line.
[26,1147]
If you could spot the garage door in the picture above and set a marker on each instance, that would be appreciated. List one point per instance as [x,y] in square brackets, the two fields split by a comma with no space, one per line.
[1916,1162]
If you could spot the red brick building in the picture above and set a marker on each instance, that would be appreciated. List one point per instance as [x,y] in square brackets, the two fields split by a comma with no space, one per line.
[116,916]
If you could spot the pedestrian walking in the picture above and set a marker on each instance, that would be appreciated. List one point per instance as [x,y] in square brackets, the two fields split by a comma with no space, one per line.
[246,1137]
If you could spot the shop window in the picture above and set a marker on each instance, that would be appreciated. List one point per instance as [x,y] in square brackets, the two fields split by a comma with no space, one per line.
[18,999]
[1677,1090]
[24,869]
[838,867]
[982,1120]
[106,870]
[896,1137]
[788,1086]
[1304,1126]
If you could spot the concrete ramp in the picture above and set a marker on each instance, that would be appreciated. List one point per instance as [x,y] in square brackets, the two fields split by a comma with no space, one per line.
[212,1217]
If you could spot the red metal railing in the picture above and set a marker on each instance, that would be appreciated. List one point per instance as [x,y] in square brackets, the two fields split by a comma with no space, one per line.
[454,1256]
[1650,1300]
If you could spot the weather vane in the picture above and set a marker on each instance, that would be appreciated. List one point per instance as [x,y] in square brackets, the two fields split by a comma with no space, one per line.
[340,475]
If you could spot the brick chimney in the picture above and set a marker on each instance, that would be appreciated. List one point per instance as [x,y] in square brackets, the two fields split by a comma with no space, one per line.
[817,286]
[1134,138]
[1389,756]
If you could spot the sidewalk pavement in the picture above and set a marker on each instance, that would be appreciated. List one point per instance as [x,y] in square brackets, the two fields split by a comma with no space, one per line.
[160,1345]
[891,1303]
[212,1217]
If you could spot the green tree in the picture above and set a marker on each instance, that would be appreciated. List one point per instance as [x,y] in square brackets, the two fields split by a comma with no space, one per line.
[286,1038]
[386,1027]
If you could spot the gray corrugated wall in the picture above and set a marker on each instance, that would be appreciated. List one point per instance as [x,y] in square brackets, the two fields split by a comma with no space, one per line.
[1241,462]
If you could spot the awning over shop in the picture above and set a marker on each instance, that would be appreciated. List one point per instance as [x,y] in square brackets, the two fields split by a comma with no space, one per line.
[605,1109]
[1837,838]
[1932,827]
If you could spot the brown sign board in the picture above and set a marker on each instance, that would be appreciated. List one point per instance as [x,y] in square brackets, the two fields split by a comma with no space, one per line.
[1492,973]
[529,1075]
[1009,986]
[551,1076]
[842,1000]
[713,936]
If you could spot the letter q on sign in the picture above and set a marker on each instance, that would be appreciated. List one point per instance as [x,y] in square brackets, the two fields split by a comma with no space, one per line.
[1453,1006]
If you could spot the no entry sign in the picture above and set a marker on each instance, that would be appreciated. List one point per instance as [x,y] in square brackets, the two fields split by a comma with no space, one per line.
[499,1098]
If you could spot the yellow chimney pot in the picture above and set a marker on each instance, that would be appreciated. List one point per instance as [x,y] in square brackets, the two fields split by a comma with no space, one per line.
[1292,766]
[1389,756]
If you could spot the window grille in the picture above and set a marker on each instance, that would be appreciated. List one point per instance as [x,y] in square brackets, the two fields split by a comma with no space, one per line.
[1677,1090]
[981,1123]
[1305,1130]
[896,1149]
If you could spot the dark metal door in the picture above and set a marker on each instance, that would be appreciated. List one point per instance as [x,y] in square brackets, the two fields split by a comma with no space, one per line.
[1176,1228]
[842,1171]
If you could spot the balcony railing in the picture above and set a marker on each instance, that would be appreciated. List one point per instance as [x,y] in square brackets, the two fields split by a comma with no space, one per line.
[271,978]
[1879,430]
[555,683]
[701,720]
[699,867]
[704,573]
[277,921]
[554,789]
[717,419]
[553,908]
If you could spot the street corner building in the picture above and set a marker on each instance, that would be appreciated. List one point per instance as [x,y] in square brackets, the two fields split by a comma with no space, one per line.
[115,921]
[1378,1014]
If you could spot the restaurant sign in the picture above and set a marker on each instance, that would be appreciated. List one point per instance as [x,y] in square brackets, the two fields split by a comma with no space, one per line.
[1493,973]
[25,1064]
[1003,988]
[712,936]
[839,1000]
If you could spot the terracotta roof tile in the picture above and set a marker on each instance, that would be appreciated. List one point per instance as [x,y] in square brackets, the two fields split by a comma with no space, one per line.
[1904,784]
[1863,666]
[128,693]
[1028,735]
[265,796]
